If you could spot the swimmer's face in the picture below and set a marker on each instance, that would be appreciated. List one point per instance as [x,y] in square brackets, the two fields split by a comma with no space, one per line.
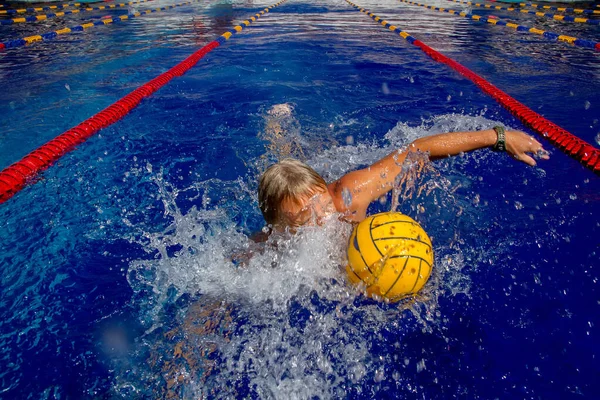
[309,210]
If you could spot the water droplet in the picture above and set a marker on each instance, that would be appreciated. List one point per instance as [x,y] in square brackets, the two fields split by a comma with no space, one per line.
[347,197]
[421,365]
[587,105]
[385,88]
[379,375]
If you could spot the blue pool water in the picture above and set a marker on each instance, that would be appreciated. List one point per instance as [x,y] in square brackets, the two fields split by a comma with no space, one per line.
[116,273]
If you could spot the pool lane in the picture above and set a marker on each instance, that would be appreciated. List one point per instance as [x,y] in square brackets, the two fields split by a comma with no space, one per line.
[590,44]
[575,147]
[78,28]
[557,17]
[44,17]
[17,175]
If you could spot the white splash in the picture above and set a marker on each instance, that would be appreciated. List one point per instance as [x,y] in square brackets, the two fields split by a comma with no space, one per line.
[296,329]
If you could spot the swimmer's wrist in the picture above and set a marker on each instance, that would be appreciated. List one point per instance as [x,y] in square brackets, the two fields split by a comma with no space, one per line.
[500,144]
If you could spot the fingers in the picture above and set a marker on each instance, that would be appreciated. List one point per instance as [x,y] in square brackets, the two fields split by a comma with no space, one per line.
[521,144]
[543,154]
[526,159]
[534,145]
[536,149]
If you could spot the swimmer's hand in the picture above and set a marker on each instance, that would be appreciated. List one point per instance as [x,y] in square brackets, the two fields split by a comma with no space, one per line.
[519,144]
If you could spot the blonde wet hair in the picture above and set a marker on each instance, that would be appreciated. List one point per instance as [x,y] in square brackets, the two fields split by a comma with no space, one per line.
[287,180]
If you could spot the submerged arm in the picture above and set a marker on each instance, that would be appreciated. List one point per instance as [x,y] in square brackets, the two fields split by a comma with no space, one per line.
[353,192]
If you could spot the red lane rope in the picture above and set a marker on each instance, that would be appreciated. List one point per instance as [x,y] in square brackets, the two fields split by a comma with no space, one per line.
[16,176]
[577,148]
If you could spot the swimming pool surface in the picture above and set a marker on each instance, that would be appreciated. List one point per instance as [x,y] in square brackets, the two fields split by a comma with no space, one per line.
[116,272]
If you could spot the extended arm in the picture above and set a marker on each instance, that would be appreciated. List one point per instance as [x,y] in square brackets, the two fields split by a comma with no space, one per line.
[353,192]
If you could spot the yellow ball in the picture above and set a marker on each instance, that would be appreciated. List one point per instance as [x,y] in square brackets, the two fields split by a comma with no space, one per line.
[391,254]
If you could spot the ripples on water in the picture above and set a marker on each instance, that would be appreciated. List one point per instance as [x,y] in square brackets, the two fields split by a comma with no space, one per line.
[122,269]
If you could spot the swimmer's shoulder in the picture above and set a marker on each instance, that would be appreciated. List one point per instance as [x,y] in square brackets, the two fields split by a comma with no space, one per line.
[351,209]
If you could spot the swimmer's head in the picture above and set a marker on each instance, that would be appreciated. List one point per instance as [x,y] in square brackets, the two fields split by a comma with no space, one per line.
[292,194]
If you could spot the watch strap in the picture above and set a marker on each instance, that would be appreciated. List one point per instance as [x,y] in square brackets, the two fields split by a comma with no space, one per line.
[501,141]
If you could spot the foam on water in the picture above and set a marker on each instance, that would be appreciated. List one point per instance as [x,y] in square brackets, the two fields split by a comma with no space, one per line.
[210,249]
[278,320]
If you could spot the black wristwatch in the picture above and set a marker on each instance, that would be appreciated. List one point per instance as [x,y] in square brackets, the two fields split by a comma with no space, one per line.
[501,142]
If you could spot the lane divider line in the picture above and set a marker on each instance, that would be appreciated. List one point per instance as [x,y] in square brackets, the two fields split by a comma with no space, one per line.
[561,9]
[46,8]
[589,44]
[575,147]
[78,28]
[16,176]
[556,17]
[42,17]
[39,9]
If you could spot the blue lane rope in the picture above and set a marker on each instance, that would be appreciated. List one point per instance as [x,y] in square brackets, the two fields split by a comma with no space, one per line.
[561,9]
[42,17]
[556,17]
[589,44]
[78,28]
[39,9]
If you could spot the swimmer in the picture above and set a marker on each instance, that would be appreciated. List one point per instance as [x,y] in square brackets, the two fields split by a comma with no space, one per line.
[292,194]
